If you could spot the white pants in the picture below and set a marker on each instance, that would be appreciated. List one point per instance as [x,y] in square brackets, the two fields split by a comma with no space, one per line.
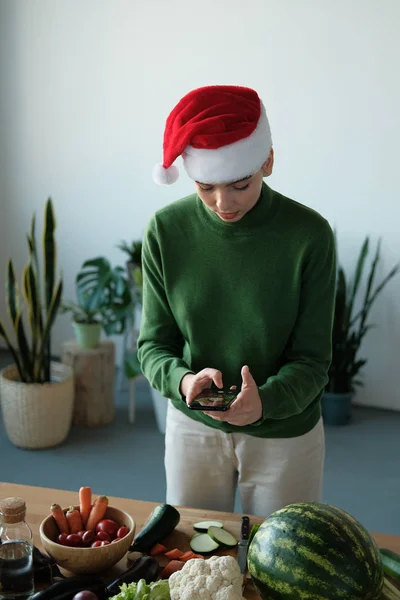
[204,465]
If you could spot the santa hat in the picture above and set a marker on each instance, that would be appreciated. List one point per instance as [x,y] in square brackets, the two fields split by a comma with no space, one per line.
[221,132]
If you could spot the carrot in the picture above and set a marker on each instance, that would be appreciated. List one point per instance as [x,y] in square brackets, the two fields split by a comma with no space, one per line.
[85,503]
[74,519]
[187,556]
[174,554]
[172,567]
[97,512]
[60,518]
[157,550]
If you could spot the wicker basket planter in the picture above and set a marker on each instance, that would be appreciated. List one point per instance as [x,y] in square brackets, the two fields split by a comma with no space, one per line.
[37,415]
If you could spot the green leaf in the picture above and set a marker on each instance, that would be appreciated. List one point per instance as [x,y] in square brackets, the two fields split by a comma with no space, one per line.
[134,251]
[92,282]
[12,294]
[104,289]
[17,361]
[383,283]
[25,353]
[363,313]
[340,319]
[30,245]
[357,366]
[34,260]
[51,315]
[33,307]
[358,275]
[49,250]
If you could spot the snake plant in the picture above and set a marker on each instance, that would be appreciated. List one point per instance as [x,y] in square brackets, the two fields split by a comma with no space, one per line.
[350,326]
[33,315]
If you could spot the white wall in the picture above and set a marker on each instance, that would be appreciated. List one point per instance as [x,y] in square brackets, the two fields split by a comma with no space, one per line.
[4,153]
[87,87]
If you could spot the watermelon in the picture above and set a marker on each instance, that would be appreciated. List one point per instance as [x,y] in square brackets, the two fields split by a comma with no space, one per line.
[314,551]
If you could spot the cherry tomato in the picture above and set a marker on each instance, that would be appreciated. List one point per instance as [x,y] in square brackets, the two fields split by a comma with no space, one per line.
[73,540]
[104,543]
[122,531]
[96,544]
[108,526]
[85,595]
[88,537]
[81,533]
[62,539]
[117,539]
[103,536]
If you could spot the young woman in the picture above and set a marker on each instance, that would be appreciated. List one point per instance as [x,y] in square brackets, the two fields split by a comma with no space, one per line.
[239,285]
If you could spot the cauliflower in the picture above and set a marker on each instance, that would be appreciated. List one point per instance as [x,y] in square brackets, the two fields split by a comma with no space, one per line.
[218,578]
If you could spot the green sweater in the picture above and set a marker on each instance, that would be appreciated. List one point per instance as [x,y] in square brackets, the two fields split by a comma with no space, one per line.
[258,292]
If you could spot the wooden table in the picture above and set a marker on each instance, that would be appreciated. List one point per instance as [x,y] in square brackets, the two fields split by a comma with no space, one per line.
[39,500]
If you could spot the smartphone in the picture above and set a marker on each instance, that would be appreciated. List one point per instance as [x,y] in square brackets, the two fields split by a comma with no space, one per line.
[214,399]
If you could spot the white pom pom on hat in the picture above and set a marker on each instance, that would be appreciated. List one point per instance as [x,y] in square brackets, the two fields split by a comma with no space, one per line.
[222,133]
[163,176]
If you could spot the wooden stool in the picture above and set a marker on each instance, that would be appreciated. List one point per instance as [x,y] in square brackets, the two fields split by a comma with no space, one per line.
[94,371]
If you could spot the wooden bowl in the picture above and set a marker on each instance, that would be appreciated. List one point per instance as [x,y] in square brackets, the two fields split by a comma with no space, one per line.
[82,561]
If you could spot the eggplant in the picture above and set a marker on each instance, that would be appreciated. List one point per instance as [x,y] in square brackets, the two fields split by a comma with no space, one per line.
[98,590]
[68,587]
[161,523]
[45,569]
[40,558]
[145,567]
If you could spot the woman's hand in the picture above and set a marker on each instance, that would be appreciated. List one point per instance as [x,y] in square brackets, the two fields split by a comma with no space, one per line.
[247,408]
[192,385]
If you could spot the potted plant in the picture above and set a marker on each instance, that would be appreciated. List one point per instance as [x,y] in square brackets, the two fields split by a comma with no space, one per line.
[349,329]
[104,302]
[37,393]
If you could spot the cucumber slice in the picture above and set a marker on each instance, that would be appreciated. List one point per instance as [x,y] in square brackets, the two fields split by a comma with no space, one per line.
[222,537]
[204,525]
[202,543]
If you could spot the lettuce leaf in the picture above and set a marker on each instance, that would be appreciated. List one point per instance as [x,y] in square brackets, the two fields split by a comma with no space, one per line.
[158,590]
[127,592]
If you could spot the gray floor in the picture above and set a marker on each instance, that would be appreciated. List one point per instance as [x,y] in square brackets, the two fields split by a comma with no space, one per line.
[362,468]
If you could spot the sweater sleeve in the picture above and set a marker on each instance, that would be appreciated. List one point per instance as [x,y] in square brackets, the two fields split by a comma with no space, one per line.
[304,372]
[160,342]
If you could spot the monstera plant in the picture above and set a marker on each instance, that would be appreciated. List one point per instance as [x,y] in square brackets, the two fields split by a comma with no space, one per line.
[104,301]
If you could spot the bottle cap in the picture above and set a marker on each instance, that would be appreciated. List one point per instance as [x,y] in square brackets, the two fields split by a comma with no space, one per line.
[12,510]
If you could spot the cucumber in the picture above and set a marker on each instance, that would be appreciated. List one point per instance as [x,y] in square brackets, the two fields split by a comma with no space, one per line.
[391,563]
[222,537]
[253,531]
[160,523]
[202,543]
[204,525]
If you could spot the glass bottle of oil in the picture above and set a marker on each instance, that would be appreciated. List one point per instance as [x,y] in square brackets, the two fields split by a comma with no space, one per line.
[16,547]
